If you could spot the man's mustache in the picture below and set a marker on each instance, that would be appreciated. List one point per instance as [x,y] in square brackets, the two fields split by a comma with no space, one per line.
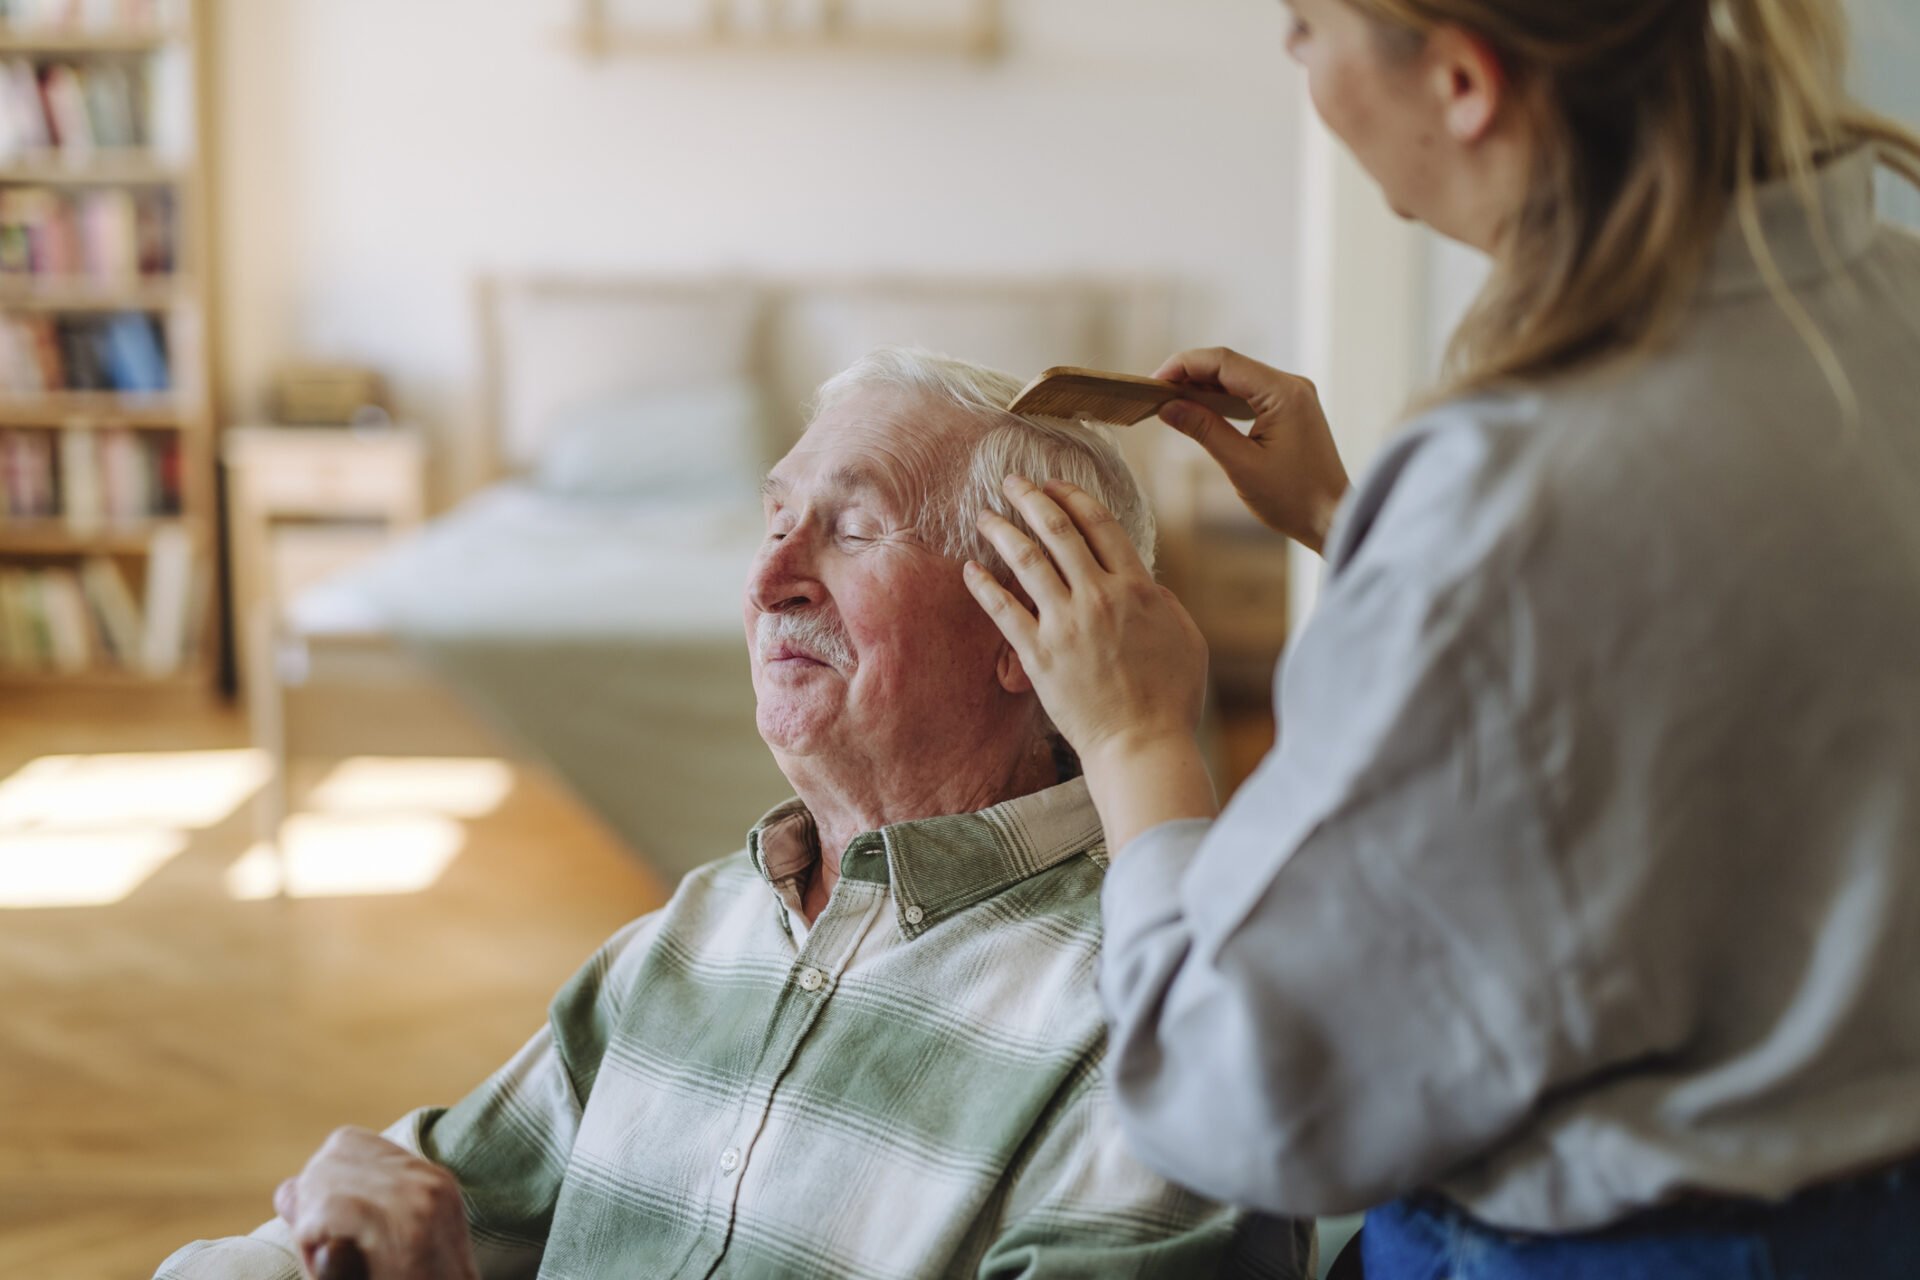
[814,633]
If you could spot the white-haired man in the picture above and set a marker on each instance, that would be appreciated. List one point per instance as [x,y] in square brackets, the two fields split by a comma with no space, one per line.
[869,1045]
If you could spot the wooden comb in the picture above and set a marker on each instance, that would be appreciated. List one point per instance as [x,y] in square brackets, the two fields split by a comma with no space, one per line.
[1118,398]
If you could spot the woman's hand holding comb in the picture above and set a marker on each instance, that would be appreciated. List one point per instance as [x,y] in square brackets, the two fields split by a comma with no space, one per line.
[1286,468]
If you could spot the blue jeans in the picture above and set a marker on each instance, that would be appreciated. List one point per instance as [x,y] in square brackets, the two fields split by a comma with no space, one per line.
[1864,1228]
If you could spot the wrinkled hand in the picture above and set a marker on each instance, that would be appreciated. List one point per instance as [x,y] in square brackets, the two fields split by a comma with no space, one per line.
[1116,661]
[405,1213]
[1286,468]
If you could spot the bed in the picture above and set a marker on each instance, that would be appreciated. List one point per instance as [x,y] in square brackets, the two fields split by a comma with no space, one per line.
[585,600]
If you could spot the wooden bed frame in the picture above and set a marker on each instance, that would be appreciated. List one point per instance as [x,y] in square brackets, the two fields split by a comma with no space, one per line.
[788,334]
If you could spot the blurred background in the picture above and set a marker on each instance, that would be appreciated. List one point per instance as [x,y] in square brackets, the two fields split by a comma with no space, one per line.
[383,388]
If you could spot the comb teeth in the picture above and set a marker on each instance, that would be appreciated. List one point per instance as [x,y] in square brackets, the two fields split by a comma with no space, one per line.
[1074,402]
[1116,398]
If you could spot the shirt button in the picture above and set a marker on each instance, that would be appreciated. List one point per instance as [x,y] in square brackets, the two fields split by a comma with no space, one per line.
[730,1159]
[811,979]
[915,915]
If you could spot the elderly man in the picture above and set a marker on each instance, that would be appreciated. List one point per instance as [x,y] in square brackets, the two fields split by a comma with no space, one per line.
[870,1044]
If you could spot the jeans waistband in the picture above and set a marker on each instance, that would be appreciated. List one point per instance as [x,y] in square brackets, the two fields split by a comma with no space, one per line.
[1707,1212]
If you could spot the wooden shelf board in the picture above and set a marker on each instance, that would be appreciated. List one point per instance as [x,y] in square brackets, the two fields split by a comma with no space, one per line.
[190,677]
[100,167]
[57,40]
[41,293]
[55,537]
[94,409]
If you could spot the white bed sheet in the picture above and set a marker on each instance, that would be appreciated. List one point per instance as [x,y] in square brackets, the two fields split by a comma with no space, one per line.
[513,561]
[602,639]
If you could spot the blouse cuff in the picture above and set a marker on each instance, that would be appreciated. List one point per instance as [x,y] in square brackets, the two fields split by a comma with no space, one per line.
[1142,889]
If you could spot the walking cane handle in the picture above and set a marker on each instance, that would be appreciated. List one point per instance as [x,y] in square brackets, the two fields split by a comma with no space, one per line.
[339,1260]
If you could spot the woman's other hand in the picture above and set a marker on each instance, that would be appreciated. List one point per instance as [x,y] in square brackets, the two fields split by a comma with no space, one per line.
[1286,468]
[1115,659]
[405,1213]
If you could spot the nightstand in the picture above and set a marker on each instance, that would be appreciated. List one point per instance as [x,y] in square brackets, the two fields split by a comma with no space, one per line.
[304,503]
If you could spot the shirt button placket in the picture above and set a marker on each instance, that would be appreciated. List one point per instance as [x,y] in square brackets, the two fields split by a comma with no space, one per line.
[812,979]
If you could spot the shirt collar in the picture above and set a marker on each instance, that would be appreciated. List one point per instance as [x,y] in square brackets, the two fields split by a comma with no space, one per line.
[1806,248]
[937,867]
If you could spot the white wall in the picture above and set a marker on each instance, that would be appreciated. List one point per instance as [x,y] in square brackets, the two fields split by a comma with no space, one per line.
[1887,75]
[376,155]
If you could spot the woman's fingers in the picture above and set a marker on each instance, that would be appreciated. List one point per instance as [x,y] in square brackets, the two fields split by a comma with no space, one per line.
[1030,565]
[1101,532]
[1015,620]
[1286,467]
[1220,367]
[1061,534]
[1220,438]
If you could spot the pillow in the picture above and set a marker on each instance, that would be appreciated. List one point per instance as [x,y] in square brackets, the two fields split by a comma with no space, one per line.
[707,440]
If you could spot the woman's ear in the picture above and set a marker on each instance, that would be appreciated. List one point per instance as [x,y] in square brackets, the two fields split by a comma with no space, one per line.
[1012,672]
[1469,80]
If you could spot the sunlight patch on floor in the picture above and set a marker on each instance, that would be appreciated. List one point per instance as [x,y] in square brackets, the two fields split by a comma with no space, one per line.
[456,788]
[87,830]
[81,869]
[324,856]
[180,790]
[375,825]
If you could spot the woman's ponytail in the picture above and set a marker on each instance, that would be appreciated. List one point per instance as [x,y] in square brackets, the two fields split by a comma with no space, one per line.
[1659,119]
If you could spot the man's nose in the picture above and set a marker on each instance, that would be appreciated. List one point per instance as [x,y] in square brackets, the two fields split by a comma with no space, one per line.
[783,577]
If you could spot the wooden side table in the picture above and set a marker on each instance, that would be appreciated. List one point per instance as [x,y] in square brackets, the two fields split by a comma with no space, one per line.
[307,502]
[304,503]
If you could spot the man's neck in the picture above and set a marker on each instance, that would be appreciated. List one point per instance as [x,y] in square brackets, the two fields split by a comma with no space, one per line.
[847,804]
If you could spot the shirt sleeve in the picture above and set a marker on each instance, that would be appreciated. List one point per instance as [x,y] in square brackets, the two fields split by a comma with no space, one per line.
[508,1142]
[1082,1206]
[1346,983]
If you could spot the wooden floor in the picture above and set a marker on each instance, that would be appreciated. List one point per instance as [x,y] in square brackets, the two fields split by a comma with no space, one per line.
[165,1060]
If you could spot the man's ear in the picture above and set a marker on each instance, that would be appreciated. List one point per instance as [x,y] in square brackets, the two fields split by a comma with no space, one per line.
[1469,81]
[1012,672]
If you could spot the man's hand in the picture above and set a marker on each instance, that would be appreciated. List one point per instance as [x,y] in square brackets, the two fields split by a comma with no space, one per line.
[405,1213]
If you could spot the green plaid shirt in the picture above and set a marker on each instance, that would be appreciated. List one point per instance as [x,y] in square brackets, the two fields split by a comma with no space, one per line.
[912,1087]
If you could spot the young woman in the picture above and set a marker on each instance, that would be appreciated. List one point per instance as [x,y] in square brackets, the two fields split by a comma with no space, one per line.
[1573,926]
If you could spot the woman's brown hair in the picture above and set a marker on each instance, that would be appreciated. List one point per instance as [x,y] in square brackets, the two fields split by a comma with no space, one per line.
[1658,120]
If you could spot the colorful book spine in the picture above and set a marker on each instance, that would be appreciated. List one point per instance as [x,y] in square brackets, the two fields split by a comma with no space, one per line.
[89,478]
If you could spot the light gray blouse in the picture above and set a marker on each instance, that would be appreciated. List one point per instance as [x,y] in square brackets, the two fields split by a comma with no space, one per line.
[1586,872]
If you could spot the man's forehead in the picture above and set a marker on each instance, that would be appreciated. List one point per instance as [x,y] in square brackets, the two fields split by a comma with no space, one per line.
[892,445]
[851,477]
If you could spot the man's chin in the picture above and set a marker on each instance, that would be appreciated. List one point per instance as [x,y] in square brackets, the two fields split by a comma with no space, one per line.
[793,730]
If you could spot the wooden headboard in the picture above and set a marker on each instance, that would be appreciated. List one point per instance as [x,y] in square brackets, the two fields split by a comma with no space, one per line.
[551,342]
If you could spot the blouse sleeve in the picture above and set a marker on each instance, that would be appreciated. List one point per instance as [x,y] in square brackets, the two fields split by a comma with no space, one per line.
[1346,983]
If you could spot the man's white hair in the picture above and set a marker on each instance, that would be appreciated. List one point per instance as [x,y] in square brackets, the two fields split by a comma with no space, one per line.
[1082,453]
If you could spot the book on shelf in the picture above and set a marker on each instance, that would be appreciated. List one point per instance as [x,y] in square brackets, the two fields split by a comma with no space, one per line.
[91,478]
[123,352]
[72,108]
[169,600]
[26,467]
[108,236]
[75,620]
[114,607]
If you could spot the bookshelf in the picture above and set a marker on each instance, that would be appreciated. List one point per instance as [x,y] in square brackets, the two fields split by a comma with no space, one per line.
[108,521]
